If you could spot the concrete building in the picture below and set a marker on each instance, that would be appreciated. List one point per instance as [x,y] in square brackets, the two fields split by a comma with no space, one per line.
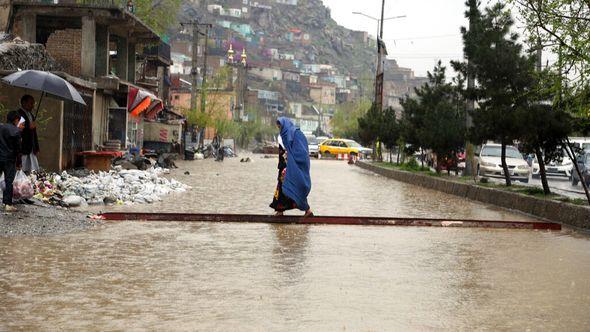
[268,74]
[323,94]
[97,44]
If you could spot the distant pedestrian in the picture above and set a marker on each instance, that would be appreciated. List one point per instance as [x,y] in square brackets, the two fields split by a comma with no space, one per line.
[10,141]
[296,182]
[30,141]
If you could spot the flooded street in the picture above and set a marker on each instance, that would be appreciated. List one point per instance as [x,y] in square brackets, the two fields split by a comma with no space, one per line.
[259,277]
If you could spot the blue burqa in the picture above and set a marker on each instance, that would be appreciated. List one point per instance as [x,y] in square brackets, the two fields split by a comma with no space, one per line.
[297,183]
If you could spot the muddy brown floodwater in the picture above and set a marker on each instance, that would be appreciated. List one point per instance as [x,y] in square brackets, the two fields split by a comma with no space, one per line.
[258,277]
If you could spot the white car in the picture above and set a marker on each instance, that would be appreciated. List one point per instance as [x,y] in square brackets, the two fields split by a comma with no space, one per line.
[489,163]
[562,168]
[313,145]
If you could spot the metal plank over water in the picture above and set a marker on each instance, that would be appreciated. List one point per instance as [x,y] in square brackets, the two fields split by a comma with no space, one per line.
[331,220]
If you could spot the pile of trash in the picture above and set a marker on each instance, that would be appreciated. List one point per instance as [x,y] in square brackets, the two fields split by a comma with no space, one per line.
[118,186]
[17,54]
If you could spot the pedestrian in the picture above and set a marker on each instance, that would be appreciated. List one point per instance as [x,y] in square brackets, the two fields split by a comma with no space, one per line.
[296,180]
[10,141]
[280,202]
[30,141]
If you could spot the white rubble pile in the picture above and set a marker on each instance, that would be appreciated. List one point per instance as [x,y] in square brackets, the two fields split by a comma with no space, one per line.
[119,186]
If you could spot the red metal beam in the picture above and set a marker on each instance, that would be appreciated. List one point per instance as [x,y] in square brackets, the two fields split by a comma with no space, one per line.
[331,220]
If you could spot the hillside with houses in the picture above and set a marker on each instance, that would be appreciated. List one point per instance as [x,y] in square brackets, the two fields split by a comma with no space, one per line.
[296,60]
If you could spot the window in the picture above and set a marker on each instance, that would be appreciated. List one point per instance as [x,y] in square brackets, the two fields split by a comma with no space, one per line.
[496,151]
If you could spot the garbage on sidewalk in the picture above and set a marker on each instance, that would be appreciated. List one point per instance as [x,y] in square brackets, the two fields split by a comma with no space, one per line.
[118,186]
[22,187]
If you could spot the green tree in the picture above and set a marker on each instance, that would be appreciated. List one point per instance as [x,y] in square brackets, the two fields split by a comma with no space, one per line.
[503,74]
[545,139]
[160,15]
[345,121]
[563,27]
[435,120]
[390,130]
[370,126]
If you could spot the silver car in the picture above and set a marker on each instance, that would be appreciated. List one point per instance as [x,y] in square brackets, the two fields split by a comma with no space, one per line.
[489,163]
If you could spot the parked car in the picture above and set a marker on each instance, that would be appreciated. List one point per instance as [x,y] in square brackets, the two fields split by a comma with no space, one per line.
[554,168]
[489,163]
[343,146]
[313,145]
[582,143]
[584,165]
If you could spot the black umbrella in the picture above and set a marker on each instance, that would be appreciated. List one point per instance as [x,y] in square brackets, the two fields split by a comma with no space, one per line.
[45,82]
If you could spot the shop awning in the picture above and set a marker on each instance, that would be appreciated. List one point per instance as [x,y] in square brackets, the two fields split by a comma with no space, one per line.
[140,101]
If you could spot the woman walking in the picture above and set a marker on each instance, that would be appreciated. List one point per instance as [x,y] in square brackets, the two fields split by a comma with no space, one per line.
[294,181]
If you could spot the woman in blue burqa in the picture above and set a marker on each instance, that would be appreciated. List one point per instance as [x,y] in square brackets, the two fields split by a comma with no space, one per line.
[294,181]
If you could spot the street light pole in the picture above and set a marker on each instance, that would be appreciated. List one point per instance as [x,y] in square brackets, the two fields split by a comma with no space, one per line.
[380,52]
[379,74]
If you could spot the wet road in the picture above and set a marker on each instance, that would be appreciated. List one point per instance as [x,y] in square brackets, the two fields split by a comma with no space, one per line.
[337,189]
[256,277]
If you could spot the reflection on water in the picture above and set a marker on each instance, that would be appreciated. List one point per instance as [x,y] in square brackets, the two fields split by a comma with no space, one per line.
[288,253]
[258,277]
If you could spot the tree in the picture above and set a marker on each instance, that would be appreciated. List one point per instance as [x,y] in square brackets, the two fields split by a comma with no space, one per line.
[159,15]
[435,120]
[390,130]
[345,121]
[370,127]
[503,74]
[545,140]
[411,126]
[215,106]
[563,27]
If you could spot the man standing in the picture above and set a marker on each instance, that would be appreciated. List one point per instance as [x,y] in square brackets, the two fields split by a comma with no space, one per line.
[30,141]
[9,155]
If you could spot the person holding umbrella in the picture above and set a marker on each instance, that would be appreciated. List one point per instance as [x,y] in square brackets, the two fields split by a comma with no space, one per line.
[30,140]
[49,85]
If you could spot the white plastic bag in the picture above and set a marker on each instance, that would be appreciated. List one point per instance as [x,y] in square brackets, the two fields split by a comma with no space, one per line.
[2,183]
[23,188]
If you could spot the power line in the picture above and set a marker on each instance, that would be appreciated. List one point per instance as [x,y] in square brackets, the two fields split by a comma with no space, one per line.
[425,37]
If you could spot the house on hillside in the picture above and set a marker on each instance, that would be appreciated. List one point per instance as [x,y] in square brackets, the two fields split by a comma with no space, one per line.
[266,73]
[295,35]
[324,94]
[289,75]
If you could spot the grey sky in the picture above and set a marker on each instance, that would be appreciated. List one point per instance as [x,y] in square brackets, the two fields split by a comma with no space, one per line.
[428,33]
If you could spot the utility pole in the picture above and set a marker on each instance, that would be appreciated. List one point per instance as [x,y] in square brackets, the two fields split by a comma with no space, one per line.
[204,83]
[380,70]
[195,57]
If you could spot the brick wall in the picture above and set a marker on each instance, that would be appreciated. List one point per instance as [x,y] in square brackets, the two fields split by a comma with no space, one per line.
[65,46]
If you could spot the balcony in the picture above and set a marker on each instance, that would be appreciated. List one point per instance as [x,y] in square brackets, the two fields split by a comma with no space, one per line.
[160,52]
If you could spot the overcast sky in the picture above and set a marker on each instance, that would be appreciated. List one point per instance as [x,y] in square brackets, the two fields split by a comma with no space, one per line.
[428,33]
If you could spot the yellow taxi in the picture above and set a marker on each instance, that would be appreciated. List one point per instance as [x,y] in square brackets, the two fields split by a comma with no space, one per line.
[336,146]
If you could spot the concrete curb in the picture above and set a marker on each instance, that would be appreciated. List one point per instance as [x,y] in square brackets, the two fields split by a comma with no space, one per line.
[565,213]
